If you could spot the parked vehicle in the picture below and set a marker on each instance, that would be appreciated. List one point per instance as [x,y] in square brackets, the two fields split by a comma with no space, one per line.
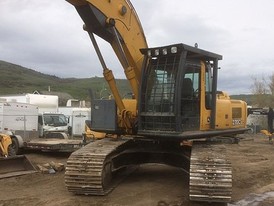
[20,120]
[31,130]
[49,120]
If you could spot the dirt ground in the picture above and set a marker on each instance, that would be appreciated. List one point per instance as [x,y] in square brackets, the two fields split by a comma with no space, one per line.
[150,185]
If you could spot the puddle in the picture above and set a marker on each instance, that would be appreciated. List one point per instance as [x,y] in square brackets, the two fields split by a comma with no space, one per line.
[253,199]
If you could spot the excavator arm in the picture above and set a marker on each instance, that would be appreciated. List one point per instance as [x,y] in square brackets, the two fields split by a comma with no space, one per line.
[116,22]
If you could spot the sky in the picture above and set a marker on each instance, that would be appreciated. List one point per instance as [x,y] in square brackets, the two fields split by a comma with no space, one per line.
[47,36]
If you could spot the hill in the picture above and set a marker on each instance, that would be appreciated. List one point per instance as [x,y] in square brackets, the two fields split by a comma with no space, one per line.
[15,79]
[248,98]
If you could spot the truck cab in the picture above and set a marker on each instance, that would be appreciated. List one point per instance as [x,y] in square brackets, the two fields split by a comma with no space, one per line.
[52,123]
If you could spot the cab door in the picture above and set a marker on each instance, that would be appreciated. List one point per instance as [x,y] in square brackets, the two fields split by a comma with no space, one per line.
[206,96]
[190,96]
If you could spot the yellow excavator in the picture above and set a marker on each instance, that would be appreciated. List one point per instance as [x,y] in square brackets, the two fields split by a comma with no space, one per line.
[176,108]
[11,164]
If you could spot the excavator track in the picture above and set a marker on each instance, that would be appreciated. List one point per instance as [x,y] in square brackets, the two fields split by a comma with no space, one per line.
[100,166]
[89,171]
[210,174]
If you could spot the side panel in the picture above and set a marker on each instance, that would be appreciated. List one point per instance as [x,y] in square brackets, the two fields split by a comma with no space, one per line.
[104,116]
[76,118]
[78,121]
[223,114]
[230,114]
[239,113]
[19,118]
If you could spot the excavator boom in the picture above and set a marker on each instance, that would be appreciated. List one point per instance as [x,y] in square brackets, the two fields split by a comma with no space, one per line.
[116,22]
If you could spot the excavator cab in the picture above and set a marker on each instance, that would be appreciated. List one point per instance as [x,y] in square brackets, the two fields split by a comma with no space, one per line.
[179,97]
[177,88]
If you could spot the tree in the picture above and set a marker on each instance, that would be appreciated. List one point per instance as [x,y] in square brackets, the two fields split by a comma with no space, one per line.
[271,84]
[259,86]
[271,88]
[263,91]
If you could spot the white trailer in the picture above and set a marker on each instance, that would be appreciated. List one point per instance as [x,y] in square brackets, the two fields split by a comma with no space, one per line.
[76,119]
[19,119]
[45,103]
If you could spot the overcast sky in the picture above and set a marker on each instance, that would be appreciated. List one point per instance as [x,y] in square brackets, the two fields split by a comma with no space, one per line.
[47,36]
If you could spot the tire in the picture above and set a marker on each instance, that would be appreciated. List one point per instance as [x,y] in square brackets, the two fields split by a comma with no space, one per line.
[11,151]
[15,146]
